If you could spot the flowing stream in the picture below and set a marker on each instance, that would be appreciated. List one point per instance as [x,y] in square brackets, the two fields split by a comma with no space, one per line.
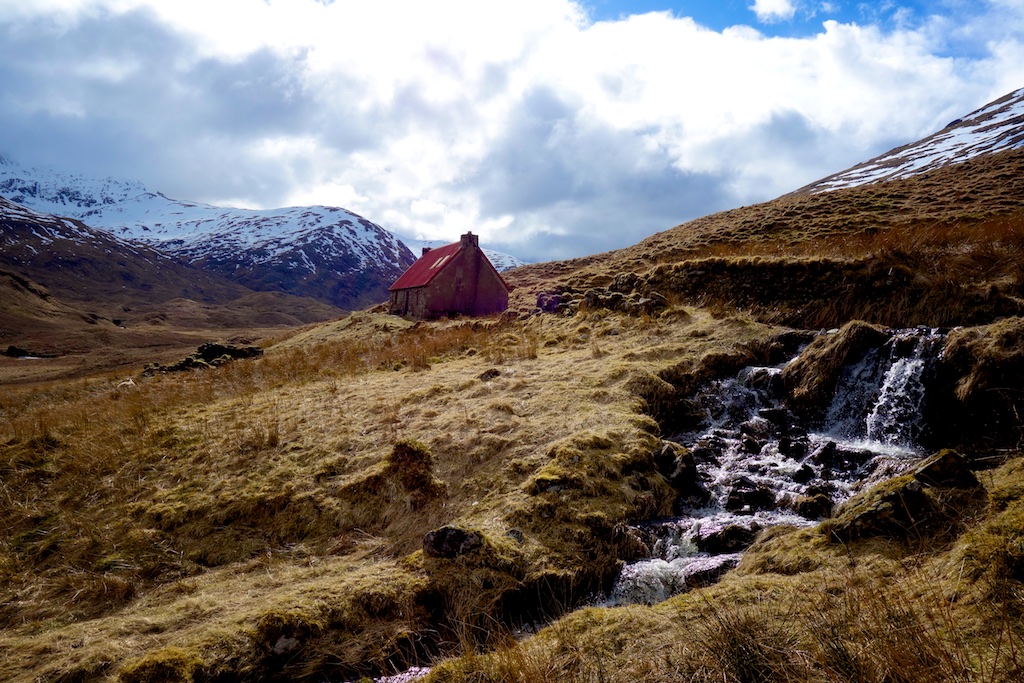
[759,466]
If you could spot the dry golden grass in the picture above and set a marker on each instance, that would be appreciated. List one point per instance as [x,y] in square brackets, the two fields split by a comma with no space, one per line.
[799,609]
[264,520]
[943,248]
[197,522]
[122,505]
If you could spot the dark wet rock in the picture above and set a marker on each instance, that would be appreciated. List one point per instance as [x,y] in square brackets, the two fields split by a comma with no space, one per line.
[817,506]
[746,495]
[679,467]
[804,474]
[667,459]
[945,469]
[488,375]
[752,444]
[765,380]
[832,456]
[706,455]
[779,417]
[759,428]
[731,538]
[450,542]
[793,448]
[694,499]
[705,571]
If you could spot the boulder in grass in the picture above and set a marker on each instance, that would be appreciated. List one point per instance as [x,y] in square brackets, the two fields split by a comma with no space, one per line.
[937,496]
[946,469]
[449,542]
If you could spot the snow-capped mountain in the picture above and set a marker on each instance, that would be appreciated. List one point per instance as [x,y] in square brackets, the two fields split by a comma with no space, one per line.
[324,252]
[992,128]
[85,264]
[500,260]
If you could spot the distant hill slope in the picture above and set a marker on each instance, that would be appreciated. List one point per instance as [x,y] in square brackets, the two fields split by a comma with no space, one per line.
[67,288]
[322,252]
[969,174]
[939,247]
[30,316]
[997,126]
[500,260]
[90,266]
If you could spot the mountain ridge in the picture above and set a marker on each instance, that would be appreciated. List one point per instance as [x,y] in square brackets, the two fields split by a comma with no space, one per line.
[327,253]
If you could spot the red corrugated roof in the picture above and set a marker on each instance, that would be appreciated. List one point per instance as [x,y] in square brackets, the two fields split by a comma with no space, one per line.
[426,267]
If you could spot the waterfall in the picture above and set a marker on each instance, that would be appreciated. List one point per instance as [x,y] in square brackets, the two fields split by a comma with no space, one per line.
[761,467]
[878,400]
[896,416]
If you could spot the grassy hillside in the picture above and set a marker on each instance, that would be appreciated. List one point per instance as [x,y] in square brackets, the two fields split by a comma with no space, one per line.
[373,494]
[942,248]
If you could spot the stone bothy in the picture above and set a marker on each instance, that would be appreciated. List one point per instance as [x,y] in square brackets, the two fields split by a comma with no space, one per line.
[456,279]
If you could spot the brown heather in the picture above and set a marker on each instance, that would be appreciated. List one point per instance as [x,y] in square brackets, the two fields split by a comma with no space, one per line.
[264,520]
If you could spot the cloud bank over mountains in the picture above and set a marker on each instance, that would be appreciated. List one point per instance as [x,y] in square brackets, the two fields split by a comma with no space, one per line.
[549,133]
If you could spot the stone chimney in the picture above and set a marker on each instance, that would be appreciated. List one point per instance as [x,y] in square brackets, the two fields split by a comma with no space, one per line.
[470,240]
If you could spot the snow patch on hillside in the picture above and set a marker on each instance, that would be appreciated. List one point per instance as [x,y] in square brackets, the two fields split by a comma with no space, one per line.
[993,128]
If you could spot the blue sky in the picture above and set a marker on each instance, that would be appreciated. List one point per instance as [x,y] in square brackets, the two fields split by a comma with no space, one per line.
[785,18]
[552,128]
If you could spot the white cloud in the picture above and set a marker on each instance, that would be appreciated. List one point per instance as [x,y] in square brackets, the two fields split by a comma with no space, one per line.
[518,120]
[773,10]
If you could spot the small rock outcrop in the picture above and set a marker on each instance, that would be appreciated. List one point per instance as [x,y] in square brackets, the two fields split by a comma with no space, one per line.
[679,468]
[937,495]
[207,356]
[628,293]
[730,538]
[449,542]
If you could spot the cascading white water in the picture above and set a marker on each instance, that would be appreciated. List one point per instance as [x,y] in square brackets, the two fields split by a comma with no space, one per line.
[896,416]
[760,468]
[878,401]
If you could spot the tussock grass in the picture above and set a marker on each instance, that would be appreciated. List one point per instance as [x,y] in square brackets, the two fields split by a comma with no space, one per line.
[862,617]
[940,249]
[159,506]
[264,520]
